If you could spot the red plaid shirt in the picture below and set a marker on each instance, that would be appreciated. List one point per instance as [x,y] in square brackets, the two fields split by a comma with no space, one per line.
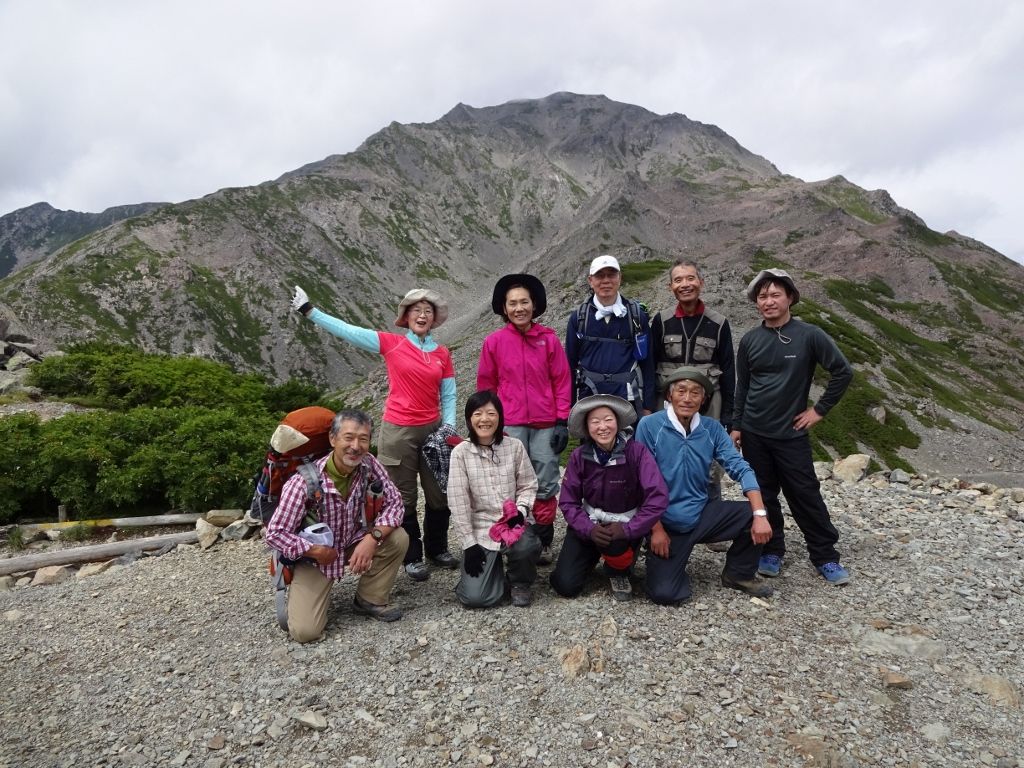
[346,517]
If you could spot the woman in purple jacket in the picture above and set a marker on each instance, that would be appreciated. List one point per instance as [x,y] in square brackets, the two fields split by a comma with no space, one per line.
[612,495]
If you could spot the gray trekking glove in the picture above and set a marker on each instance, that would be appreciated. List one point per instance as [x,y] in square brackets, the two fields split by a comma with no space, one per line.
[300,302]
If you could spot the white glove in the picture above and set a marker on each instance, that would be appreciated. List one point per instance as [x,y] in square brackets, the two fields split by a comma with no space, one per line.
[299,300]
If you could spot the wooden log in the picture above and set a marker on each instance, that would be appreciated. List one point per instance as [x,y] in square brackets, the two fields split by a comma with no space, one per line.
[119,522]
[92,553]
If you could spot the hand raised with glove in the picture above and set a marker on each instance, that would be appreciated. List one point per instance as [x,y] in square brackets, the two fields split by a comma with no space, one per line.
[473,559]
[560,436]
[300,302]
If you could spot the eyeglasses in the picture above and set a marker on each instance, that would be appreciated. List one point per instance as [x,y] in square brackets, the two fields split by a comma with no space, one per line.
[422,311]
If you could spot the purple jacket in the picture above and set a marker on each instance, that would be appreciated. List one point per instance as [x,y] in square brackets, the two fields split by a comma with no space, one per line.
[631,479]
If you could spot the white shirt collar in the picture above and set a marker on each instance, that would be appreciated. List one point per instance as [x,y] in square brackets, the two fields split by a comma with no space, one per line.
[674,421]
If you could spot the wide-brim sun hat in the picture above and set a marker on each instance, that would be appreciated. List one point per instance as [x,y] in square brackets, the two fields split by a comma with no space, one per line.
[686,373]
[422,294]
[624,412]
[533,286]
[776,276]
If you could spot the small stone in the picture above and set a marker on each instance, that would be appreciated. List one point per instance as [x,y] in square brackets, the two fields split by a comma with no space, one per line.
[181,758]
[587,719]
[936,732]
[1000,691]
[899,476]
[575,661]
[897,680]
[312,719]
[237,531]
[6,583]
[852,468]
[217,742]
[730,743]
[91,569]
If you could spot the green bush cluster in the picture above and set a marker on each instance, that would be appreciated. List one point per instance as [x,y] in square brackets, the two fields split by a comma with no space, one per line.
[170,432]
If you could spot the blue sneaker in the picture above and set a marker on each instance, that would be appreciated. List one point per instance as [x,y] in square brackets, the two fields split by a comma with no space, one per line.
[834,573]
[769,565]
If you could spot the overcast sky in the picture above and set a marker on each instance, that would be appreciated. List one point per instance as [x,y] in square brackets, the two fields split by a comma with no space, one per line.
[106,103]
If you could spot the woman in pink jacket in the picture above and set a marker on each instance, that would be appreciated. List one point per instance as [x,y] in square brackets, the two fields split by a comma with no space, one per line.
[524,363]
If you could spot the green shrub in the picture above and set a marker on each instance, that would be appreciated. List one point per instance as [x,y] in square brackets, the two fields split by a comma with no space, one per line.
[21,482]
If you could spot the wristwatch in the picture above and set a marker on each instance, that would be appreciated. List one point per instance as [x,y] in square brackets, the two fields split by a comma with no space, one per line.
[378,536]
[760,513]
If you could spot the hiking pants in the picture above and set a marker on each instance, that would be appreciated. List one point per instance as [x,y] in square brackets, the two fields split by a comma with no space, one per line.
[787,465]
[491,586]
[545,464]
[577,559]
[667,581]
[398,449]
[309,592]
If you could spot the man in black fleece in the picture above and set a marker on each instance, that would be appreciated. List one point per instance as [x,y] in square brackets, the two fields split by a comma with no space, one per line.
[774,368]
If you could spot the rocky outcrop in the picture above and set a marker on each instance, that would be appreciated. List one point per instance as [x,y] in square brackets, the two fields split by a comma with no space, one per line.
[18,352]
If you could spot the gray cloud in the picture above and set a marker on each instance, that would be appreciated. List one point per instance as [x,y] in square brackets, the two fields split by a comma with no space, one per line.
[115,102]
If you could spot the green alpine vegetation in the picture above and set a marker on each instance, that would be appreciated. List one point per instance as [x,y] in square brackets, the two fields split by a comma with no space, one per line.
[166,433]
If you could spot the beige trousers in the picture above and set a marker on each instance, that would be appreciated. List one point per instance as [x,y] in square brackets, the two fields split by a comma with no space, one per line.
[310,591]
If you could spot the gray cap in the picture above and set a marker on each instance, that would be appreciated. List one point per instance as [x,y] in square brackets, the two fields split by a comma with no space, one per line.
[686,373]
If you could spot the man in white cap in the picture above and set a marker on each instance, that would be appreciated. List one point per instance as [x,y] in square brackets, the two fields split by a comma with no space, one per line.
[607,342]
[775,365]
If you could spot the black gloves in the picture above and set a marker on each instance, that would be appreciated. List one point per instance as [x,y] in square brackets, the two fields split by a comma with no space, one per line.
[473,559]
[560,436]
[518,520]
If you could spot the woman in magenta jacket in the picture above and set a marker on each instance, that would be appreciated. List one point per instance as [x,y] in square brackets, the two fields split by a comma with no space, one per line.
[524,363]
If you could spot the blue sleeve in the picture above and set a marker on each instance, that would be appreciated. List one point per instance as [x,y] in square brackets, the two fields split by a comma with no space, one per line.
[448,401]
[363,338]
[726,454]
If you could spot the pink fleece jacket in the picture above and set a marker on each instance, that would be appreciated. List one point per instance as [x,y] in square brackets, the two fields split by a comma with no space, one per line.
[529,372]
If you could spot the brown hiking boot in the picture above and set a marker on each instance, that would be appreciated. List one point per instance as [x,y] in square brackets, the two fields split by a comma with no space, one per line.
[753,586]
[379,612]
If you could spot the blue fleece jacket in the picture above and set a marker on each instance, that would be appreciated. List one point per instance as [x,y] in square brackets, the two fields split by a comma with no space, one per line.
[685,461]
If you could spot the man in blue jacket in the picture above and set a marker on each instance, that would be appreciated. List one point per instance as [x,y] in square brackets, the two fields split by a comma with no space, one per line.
[684,445]
[607,342]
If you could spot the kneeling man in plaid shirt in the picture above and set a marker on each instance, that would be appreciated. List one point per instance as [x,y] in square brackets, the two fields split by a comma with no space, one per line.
[369,548]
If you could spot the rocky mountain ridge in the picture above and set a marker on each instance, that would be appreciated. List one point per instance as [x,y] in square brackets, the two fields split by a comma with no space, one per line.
[931,321]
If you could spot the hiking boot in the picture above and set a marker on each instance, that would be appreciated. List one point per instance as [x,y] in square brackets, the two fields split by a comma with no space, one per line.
[417,571]
[379,612]
[521,595]
[769,565]
[834,573]
[622,590]
[545,557]
[754,587]
[445,560]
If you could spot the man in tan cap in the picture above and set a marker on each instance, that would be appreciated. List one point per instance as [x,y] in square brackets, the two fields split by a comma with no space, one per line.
[775,366]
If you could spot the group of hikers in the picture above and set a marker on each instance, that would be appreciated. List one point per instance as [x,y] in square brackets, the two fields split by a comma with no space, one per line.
[661,407]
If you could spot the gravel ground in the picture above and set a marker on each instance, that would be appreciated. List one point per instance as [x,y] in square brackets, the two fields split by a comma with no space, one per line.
[177,661]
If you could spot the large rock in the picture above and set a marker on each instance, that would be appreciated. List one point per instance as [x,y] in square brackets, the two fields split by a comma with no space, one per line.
[91,569]
[1000,691]
[899,476]
[852,468]
[916,646]
[223,517]
[52,574]
[237,531]
[208,534]
[19,360]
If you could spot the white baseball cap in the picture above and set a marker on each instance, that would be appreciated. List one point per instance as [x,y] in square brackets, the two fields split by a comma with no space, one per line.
[603,262]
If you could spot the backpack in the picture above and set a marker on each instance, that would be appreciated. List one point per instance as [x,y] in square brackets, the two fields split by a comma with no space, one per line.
[638,342]
[302,437]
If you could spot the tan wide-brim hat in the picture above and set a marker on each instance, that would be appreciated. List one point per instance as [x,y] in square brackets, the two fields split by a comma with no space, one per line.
[625,413]
[776,276]
[422,294]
